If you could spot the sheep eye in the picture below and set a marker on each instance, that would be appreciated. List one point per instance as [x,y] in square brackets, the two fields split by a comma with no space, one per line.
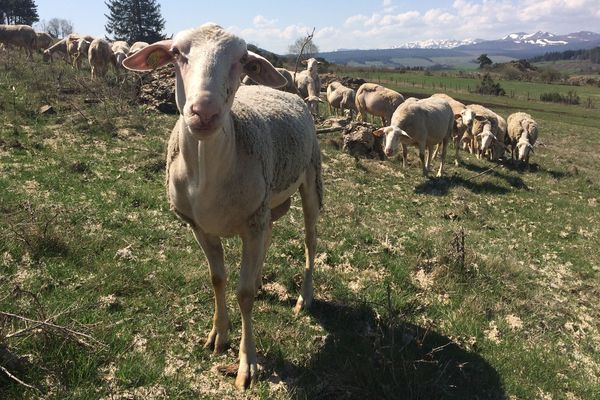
[175,51]
[253,67]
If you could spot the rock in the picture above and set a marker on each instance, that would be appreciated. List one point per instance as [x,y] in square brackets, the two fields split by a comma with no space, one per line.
[359,141]
[46,110]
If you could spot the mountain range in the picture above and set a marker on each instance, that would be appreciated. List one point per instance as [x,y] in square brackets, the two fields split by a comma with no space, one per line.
[461,54]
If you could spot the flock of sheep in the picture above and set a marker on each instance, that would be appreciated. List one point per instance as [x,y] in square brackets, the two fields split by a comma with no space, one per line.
[238,152]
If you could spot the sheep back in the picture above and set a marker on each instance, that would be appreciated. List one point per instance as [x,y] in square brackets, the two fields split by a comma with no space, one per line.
[431,119]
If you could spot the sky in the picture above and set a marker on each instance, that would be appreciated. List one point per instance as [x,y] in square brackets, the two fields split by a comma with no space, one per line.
[350,24]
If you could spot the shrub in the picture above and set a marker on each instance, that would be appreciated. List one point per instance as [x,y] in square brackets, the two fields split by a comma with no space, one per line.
[487,86]
[570,98]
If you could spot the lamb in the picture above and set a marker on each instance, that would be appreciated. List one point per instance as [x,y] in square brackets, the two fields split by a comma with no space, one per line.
[137,46]
[120,49]
[342,98]
[58,47]
[22,36]
[377,100]
[491,140]
[522,134]
[424,123]
[100,57]
[235,157]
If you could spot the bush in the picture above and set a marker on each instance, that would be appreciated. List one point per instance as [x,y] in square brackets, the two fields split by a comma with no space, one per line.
[487,86]
[570,98]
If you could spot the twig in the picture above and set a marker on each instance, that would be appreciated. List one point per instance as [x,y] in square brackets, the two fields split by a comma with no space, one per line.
[57,327]
[484,172]
[331,129]
[306,41]
[20,382]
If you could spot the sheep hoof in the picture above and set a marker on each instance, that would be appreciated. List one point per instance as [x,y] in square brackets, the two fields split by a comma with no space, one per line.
[246,376]
[218,343]
[301,304]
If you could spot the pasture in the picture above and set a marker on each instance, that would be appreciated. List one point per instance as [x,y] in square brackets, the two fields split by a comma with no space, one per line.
[483,284]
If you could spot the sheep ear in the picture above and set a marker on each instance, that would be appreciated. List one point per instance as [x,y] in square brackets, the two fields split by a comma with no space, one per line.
[261,71]
[151,57]
[379,132]
[304,62]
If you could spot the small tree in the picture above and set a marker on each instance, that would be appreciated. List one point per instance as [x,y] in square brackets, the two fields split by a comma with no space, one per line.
[310,48]
[484,61]
[18,12]
[134,20]
[487,86]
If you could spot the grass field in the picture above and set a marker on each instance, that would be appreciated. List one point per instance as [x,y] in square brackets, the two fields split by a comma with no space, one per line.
[483,284]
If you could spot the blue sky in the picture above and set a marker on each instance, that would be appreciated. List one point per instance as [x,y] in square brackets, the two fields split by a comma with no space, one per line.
[363,24]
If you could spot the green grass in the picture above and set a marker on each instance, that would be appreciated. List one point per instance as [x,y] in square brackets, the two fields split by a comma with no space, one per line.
[87,242]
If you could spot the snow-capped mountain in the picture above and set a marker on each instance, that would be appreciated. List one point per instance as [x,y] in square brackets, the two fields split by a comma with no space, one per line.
[437,44]
[511,41]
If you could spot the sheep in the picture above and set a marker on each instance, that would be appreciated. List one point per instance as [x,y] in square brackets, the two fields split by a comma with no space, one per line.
[522,134]
[342,98]
[236,155]
[43,40]
[377,100]
[83,47]
[137,46]
[492,140]
[100,56]
[58,47]
[290,87]
[22,36]
[462,119]
[73,41]
[308,84]
[120,49]
[424,123]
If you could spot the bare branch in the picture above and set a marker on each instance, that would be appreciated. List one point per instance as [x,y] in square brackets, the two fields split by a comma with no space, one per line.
[307,40]
[20,382]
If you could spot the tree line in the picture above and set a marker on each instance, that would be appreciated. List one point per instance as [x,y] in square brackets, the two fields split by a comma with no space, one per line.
[18,12]
[587,54]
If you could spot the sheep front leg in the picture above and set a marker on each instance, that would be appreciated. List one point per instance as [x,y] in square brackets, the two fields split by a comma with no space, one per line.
[444,150]
[404,154]
[252,258]
[218,338]
[422,157]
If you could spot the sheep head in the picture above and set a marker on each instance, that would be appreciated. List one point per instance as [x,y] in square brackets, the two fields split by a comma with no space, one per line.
[393,136]
[208,64]
[523,149]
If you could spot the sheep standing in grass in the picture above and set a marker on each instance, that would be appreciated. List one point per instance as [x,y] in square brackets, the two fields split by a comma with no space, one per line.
[491,140]
[462,119]
[22,36]
[424,123]
[308,84]
[100,57]
[42,40]
[378,101]
[522,134]
[341,98]
[235,157]
[120,49]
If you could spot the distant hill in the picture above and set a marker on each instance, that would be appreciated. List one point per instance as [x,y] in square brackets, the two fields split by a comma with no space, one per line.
[514,46]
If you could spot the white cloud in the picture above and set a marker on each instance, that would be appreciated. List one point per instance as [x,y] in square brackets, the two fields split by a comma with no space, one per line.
[261,22]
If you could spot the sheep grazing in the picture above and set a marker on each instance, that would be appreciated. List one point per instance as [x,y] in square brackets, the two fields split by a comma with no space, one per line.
[235,157]
[378,101]
[58,47]
[309,84]
[73,42]
[492,140]
[42,40]
[137,46]
[424,123]
[522,134]
[341,98]
[22,36]
[120,49]
[100,57]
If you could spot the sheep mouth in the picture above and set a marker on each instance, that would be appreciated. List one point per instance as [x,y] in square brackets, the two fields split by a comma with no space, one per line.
[198,127]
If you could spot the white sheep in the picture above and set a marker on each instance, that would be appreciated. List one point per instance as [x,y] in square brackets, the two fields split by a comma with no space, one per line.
[235,157]
[74,41]
[342,98]
[424,123]
[22,36]
[308,84]
[522,134]
[463,118]
[120,49]
[100,56]
[137,46]
[492,141]
[378,101]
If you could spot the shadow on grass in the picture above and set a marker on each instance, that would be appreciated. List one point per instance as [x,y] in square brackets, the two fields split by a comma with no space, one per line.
[476,183]
[364,357]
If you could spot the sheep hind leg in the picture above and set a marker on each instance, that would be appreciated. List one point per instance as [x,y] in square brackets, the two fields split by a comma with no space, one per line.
[444,150]
[423,161]
[218,338]
[310,207]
